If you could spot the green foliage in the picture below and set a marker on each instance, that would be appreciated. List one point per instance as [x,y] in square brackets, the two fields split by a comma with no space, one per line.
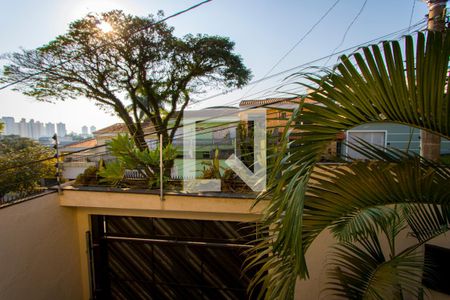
[361,270]
[89,177]
[155,70]
[13,143]
[211,170]
[380,84]
[130,157]
[246,147]
[229,180]
[16,151]
[113,173]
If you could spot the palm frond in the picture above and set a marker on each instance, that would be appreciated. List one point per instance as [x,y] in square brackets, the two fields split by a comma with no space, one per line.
[382,85]
[361,271]
[427,220]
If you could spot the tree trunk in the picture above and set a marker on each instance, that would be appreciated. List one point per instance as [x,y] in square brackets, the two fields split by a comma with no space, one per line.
[137,133]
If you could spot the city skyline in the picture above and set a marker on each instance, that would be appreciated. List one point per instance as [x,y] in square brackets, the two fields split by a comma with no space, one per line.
[36,129]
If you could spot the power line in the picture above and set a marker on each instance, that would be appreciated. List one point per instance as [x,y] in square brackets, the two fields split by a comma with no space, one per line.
[281,100]
[249,108]
[303,65]
[412,12]
[348,28]
[210,129]
[298,42]
[105,44]
[147,134]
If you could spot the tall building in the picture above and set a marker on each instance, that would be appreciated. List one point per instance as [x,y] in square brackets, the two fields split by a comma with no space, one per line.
[10,126]
[61,129]
[84,130]
[93,129]
[32,129]
[50,129]
[23,128]
[40,130]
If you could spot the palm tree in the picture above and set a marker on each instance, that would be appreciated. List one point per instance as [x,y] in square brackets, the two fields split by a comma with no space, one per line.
[379,83]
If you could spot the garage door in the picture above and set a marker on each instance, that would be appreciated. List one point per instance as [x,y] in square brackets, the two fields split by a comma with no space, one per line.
[156,258]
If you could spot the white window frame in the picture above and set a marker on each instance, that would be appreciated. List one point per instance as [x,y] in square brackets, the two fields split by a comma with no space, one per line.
[365,130]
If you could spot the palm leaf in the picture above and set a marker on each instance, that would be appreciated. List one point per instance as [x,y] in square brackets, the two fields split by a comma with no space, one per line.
[382,85]
[348,198]
[362,271]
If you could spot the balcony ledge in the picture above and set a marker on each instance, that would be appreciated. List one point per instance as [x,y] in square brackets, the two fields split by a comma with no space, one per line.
[120,199]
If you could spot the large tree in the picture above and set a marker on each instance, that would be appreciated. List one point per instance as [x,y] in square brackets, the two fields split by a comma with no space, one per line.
[133,65]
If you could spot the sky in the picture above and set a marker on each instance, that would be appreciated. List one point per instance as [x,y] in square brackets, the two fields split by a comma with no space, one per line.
[263,31]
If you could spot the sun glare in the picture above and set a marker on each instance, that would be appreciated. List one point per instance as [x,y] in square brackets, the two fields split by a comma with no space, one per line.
[105,27]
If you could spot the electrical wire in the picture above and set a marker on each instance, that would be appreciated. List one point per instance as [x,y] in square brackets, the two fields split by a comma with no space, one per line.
[246,109]
[105,44]
[210,129]
[298,42]
[303,65]
[412,12]
[147,134]
[304,36]
[306,65]
[348,29]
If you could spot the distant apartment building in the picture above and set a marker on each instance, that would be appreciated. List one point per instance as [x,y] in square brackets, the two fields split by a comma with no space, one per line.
[10,126]
[93,129]
[40,129]
[84,130]
[50,129]
[61,129]
[23,130]
[31,129]
[34,129]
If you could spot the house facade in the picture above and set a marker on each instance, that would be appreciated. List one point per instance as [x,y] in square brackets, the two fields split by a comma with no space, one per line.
[388,135]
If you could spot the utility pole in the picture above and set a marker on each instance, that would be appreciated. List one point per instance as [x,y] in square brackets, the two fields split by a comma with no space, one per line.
[430,144]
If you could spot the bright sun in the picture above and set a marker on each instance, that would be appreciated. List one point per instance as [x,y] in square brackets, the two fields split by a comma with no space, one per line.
[105,27]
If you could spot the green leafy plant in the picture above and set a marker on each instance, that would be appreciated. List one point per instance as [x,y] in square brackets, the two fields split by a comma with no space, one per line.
[212,169]
[230,182]
[379,83]
[130,157]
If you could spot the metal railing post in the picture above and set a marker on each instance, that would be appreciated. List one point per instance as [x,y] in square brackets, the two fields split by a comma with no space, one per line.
[161,168]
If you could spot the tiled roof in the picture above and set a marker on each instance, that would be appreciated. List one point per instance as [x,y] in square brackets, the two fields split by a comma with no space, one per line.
[115,128]
[122,128]
[268,101]
[83,144]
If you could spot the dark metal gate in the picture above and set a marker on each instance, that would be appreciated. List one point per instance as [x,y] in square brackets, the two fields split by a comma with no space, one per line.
[156,258]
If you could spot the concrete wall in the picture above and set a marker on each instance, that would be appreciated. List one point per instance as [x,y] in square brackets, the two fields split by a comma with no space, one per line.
[72,169]
[39,251]
[318,255]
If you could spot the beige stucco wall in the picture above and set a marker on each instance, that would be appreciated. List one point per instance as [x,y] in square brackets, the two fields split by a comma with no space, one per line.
[318,255]
[39,252]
